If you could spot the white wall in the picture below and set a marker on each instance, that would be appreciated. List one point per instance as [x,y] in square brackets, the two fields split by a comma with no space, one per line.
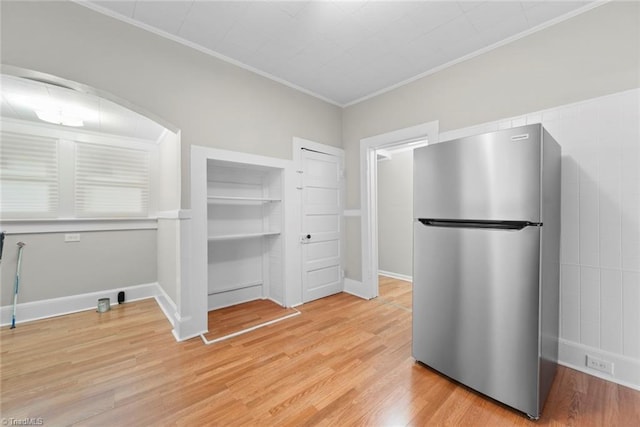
[600,237]
[600,258]
[101,260]
[212,102]
[395,214]
[590,55]
[111,254]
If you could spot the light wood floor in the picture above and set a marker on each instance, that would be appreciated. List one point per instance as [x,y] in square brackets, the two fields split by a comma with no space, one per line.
[395,291]
[229,320]
[344,361]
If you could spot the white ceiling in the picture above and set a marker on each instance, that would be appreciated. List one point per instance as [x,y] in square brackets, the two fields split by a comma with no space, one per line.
[22,97]
[341,51]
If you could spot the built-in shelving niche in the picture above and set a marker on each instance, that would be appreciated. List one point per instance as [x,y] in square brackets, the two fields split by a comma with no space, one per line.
[244,229]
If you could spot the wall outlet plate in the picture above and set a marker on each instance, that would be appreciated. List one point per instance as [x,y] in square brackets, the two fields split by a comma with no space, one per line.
[600,365]
[74,237]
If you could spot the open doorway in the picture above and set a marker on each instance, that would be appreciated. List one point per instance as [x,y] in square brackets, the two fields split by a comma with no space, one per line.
[402,139]
[395,224]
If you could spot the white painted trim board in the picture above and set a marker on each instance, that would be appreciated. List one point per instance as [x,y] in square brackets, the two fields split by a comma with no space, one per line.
[369,190]
[398,276]
[36,310]
[626,370]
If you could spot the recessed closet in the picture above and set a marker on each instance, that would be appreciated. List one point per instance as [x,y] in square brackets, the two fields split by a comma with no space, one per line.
[244,233]
[245,213]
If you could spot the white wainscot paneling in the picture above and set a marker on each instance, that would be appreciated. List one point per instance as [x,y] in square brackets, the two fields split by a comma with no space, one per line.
[589,232]
[611,322]
[590,306]
[600,229]
[570,212]
[630,195]
[631,310]
[609,198]
[570,302]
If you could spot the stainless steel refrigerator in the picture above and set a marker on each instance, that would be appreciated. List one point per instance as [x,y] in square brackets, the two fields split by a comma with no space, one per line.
[486,263]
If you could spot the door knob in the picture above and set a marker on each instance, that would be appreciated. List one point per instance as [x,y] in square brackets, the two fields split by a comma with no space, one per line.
[308,236]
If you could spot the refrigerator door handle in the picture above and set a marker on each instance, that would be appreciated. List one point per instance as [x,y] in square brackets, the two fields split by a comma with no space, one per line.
[498,225]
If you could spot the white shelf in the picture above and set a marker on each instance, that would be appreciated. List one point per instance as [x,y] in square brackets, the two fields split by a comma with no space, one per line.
[243,236]
[245,226]
[227,199]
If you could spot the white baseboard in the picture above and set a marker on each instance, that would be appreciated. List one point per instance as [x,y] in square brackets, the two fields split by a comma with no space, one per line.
[167,306]
[185,328]
[354,287]
[234,297]
[29,311]
[396,275]
[626,370]
[275,301]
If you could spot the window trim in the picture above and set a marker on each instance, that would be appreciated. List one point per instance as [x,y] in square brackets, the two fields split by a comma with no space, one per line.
[76,225]
[66,215]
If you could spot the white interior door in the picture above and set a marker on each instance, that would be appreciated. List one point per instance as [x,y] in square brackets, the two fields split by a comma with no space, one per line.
[321,177]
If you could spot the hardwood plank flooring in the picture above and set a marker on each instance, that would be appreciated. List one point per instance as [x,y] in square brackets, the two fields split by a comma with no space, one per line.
[229,320]
[344,361]
[395,291]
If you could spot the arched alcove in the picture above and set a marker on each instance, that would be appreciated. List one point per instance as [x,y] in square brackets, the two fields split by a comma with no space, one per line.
[91,184]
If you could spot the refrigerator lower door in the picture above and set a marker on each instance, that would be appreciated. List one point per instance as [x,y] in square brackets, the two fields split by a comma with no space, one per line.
[475,309]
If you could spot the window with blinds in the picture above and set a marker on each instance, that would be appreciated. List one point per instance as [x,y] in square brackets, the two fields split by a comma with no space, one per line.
[111,181]
[28,176]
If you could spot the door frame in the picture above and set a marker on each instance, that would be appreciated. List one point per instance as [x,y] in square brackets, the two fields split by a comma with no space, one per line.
[296,215]
[369,193]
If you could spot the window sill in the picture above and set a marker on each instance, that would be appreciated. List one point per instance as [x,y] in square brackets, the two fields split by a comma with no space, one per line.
[75,225]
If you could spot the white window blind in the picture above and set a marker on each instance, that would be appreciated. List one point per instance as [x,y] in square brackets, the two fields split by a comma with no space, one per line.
[111,181]
[28,176]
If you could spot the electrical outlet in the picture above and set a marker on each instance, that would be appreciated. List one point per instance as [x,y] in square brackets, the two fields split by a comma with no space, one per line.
[75,237]
[600,365]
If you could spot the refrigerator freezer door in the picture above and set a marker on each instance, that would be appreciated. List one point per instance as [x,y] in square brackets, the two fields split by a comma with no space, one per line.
[494,176]
[475,309]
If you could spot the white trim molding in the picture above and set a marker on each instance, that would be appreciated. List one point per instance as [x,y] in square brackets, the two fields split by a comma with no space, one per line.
[626,370]
[44,309]
[252,328]
[369,190]
[175,214]
[36,310]
[481,51]
[398,276]
[76,225]
[168,307]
